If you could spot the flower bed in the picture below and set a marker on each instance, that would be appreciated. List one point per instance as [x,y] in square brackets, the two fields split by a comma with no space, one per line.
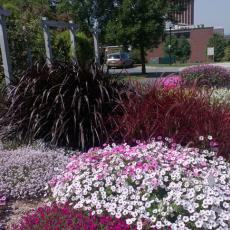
[182,113]
[24,172]
[62,217]
[208,75]
[174,187]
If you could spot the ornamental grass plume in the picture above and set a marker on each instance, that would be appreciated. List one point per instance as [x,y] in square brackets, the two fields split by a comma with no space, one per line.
[151,185]
[183,114]
[63,217]
[65,106]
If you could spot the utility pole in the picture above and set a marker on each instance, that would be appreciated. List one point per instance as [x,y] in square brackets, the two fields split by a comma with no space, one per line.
[170,44]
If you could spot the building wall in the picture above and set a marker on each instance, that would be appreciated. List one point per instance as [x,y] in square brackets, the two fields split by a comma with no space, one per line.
[198,39]
[187,16]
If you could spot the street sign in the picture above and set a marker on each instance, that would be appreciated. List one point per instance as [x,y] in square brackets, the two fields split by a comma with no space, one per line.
[210,51]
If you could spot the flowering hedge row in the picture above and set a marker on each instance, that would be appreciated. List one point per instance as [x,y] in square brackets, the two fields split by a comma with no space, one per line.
[208,75]
[174,187]
[24,172]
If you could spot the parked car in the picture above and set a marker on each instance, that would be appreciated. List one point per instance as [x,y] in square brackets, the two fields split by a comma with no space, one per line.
[120,59]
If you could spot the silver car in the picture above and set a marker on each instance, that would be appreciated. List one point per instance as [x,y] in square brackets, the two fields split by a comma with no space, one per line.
[120,59]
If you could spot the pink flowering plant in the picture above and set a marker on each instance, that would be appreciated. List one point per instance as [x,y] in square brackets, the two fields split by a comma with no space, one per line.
[167,187]
[63,217]
[169,82]
[24,172]
[208,75]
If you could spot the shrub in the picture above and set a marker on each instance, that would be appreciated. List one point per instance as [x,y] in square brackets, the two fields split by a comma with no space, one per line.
[220,96]
[24,172]
[66,105]
[208,75]
[169,82]
[61,217]
[182,188]
[183,114]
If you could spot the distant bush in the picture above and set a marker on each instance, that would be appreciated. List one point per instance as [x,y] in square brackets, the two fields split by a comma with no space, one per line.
[62,217]
[207,75]
[25,172]
[182,114]
[65,106]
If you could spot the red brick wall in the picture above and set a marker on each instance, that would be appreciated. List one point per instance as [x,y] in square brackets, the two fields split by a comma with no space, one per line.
[198,40]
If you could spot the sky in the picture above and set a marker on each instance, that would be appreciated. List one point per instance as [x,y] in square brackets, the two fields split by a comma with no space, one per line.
[213,13]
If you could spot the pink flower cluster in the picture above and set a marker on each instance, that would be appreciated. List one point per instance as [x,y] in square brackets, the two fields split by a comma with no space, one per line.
[60,217]
[169,82]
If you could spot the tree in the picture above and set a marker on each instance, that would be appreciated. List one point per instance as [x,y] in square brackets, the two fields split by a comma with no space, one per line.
[217,41]
[227,54]
[171,47]
[184,49]
[180,47]
[140,24]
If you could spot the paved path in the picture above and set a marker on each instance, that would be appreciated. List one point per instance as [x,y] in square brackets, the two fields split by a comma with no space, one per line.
[157,71]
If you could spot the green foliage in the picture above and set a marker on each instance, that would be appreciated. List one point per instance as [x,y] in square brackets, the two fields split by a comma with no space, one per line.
[62,47]
[180,48]
[66,106]
[217,41]
[184,49]
[84,49]
[140,24]
[171,45]
[135,56]
[227,54]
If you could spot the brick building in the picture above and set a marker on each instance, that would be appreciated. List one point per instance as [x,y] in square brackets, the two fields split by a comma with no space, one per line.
[198,38]
[187,16]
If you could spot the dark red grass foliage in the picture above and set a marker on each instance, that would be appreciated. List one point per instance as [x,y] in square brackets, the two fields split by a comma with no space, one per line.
[183,114]
[60,217]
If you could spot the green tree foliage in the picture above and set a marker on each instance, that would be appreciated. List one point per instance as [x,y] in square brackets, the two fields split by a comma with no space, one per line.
[180,47]
[227,54]
[171,46]
[140,24]
[84,49]
[217,41]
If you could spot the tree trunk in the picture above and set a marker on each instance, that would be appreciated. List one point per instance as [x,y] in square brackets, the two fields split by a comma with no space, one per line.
[143,59]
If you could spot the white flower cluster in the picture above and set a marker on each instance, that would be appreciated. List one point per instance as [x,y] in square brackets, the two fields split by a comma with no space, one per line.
[220,96]
[24,172]
[178,188]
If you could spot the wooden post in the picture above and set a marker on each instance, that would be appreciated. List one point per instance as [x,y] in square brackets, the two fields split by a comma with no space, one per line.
[47,39]
[72,30]
[5,48]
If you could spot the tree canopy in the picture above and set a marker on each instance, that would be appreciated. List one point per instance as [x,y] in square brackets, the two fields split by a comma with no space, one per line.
[218,42]
[140,24]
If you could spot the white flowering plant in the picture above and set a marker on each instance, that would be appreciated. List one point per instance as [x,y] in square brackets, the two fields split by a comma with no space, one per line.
[25,172]
[220,96]
[152,186]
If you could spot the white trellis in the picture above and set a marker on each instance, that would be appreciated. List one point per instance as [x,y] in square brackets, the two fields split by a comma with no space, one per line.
[5,47]
[58,24]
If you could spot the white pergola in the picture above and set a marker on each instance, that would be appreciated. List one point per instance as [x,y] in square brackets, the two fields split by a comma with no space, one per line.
[5,47]
[46,24]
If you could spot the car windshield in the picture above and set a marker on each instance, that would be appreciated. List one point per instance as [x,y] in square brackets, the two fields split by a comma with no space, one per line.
[114,56]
